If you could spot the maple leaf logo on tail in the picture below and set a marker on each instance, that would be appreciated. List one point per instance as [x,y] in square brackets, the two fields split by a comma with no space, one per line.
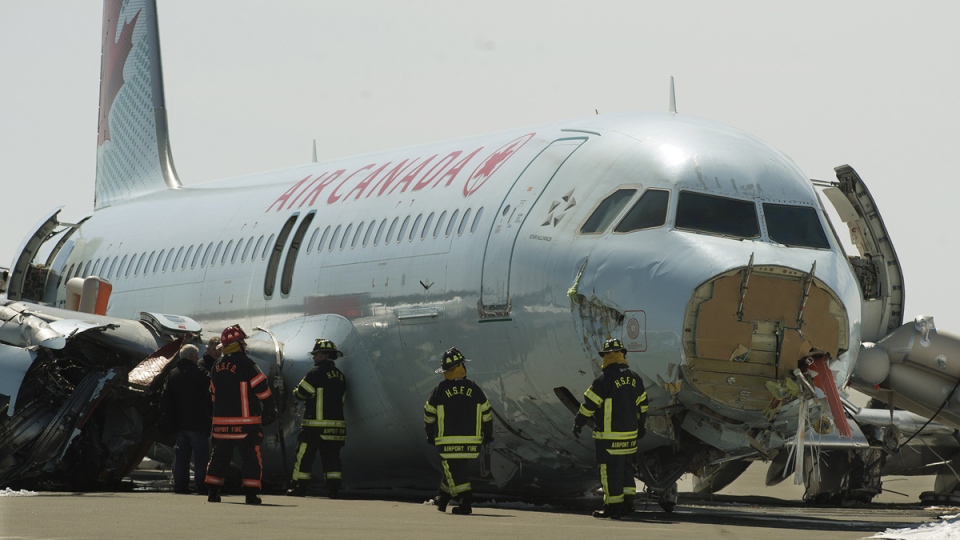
[116,52]
[493,162]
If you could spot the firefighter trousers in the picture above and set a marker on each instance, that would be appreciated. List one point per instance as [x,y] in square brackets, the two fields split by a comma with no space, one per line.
[455,481]
[616,475]
[251,470]
[310,445]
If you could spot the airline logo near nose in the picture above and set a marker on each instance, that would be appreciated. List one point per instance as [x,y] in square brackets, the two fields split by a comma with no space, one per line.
[409,175]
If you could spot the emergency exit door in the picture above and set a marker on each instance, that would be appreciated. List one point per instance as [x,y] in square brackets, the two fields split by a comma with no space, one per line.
[510,217]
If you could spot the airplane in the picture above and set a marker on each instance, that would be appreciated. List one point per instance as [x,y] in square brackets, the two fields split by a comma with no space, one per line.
[707,252]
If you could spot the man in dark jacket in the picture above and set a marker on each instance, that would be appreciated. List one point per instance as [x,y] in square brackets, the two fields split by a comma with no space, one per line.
[617,403]
[212,354]
[323,428]
[457,419]
[185,408]
[242,403]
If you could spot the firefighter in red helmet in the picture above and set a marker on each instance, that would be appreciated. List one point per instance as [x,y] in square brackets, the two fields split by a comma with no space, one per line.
[617,403]
[242,404]
[458,420]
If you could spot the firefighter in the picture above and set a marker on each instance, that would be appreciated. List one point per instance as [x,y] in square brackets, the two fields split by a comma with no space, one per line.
[617,403]
[242,403]
[323,427]
[457,419]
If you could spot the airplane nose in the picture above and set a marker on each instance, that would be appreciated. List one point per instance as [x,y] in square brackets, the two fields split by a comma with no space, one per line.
[750,325]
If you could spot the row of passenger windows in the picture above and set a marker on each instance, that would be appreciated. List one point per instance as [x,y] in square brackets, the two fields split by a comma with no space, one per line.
[248,249]
[791,225]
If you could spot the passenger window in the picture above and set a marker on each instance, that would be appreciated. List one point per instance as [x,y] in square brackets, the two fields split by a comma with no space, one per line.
[323,239]
[463,222]
[356,237]
[608,209]
[439,227]
[226,253]
[216,254]
[196,255]
[246,250]
[393,227]
[453,221]
[123,270]
[346,236]
[256,248]
[266,247]
[139,264]
[333,239]
[426,226]
[313,240]
[376,239]
[416,225]
[366,237]
[717,215]
[176,260]
[186,258]
[96,267]
[476,220]
[69,270]
[236,251]
[648,212]
[206,253]
[794,226]
[146,267]
[403,228]
[113,266]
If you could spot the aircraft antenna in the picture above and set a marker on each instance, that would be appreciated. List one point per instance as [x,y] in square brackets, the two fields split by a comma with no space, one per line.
[314,150]
[673,97]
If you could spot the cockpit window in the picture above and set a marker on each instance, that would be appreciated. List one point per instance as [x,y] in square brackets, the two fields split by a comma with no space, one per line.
[717,215]
[601,218]
[649,212]
[794,226]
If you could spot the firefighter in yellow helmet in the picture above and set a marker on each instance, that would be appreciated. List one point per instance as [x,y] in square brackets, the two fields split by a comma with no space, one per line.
[617,403]
[457,420]
[323,428]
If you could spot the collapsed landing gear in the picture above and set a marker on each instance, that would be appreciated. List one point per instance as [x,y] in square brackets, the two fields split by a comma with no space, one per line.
[660,469]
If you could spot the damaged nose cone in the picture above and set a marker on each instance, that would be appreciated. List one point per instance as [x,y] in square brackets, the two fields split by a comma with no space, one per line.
[749,326]
[25,330]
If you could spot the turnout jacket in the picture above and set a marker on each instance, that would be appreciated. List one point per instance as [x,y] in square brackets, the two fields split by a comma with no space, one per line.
[617,402]
[457,419]
[240,396]
[324,388]
[185,401]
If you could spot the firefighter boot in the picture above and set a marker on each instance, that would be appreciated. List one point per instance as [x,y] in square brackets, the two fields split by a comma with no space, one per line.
[213,494]
[611,511]
[298,489]
[441,501]
[253,498]
[333,488]
[465,508]
[627,508]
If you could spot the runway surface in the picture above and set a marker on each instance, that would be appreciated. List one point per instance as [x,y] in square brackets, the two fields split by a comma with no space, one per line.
[746,509]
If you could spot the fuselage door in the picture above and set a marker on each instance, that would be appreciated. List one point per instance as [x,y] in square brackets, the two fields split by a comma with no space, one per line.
[513,211]
[28,280]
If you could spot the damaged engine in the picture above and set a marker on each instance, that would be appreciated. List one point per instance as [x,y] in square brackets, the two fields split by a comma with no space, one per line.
[79,394]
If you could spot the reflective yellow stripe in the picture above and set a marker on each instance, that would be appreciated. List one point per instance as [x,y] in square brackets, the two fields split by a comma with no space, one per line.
[324,423]
[615,435]
[586,412]
[592,396]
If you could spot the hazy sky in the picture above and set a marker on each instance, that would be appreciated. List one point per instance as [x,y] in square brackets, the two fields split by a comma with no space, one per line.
[249,85]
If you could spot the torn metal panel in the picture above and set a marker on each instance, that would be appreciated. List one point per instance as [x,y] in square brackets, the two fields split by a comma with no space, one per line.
[78,413]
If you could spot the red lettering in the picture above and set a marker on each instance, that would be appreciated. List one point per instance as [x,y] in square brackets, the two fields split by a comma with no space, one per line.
[287,194]
[439,167]
[455,170]
[315,192]
[333,195]
[405,181]
[366,182]
[402,166]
